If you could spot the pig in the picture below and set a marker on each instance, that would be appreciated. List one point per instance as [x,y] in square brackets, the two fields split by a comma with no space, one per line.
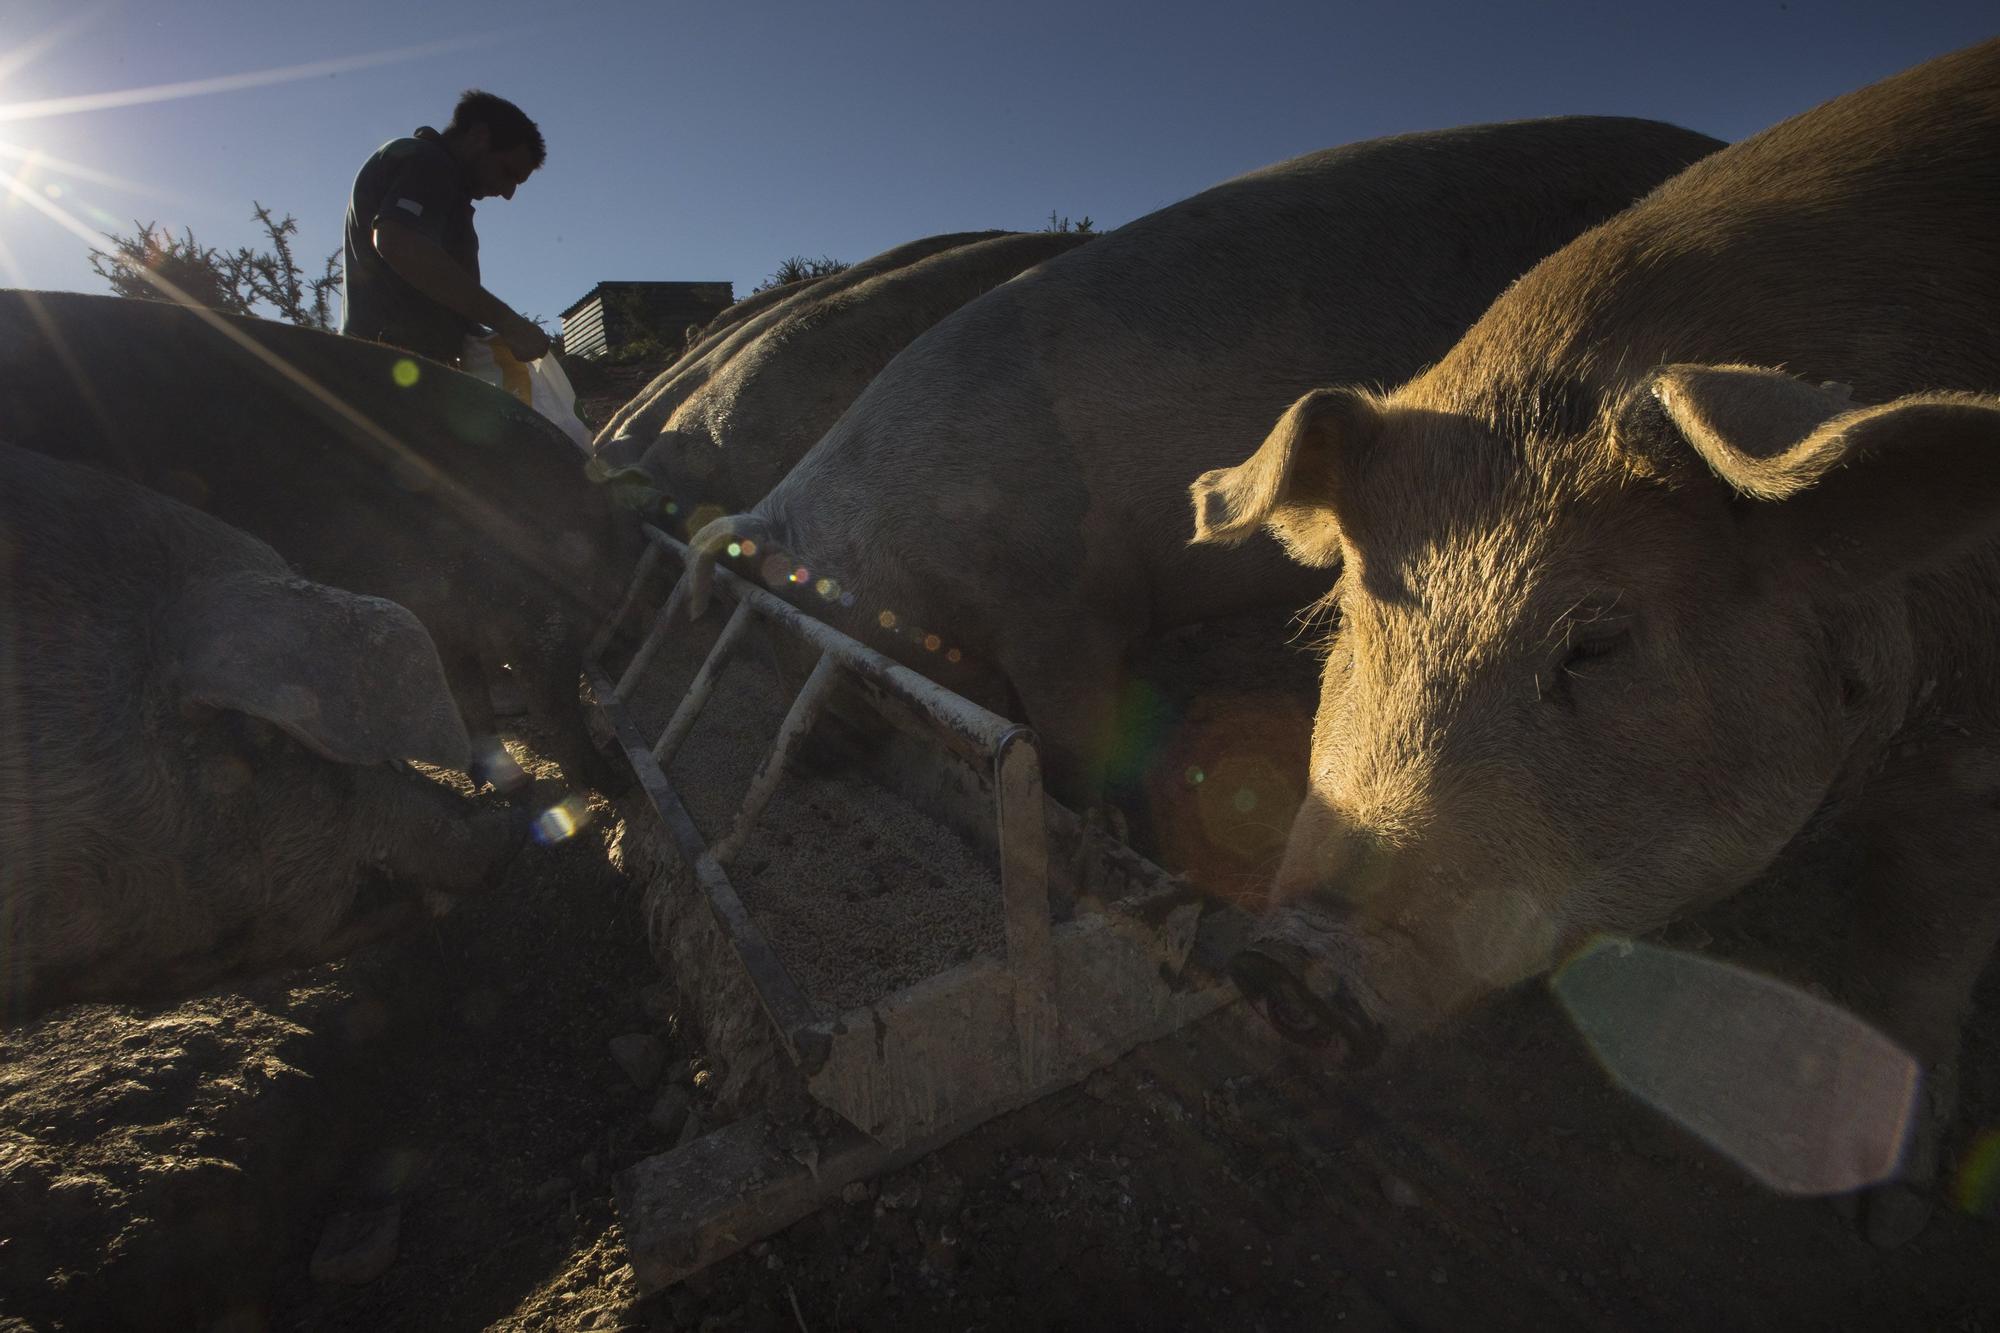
[198,753]
[1003,506]
[633,428]
[1684,554]
[702,337]
[737,435]
[438,492]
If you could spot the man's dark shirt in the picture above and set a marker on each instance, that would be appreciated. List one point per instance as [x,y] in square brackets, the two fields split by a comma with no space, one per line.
[414,183]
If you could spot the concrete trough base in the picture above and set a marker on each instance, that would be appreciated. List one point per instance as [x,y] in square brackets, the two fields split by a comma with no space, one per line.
[918,1068]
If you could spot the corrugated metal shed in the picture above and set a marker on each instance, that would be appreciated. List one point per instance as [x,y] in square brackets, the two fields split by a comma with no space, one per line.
[614,314]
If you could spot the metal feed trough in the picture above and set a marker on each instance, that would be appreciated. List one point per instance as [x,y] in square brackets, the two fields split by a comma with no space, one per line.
[1079,984]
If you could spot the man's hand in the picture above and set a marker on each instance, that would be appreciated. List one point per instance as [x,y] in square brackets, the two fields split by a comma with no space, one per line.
[523,337]
[423,263]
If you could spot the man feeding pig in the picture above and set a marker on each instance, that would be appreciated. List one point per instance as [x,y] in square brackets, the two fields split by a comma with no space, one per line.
[411,254]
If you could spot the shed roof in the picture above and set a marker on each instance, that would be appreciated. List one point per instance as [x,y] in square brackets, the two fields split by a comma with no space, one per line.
[599,289]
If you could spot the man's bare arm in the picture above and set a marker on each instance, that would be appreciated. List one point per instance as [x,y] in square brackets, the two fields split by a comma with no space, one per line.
[423,263]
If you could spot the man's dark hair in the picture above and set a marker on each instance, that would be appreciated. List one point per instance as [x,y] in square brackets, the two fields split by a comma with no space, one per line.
[506,124]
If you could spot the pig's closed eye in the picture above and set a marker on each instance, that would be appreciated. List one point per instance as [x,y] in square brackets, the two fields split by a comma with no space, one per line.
[1580,662]
[1594,646]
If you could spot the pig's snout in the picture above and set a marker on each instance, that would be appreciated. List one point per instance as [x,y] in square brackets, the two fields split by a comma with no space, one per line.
[1298,996]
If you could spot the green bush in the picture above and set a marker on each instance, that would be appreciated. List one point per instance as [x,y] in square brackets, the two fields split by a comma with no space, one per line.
[798,269]
[154,265]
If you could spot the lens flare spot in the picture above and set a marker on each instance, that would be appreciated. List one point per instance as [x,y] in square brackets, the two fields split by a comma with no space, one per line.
[749,547]
[707,514]
[1977,1190]
[801,575]
[773,571]
[1195,776]
[1243,802]
[1804,1096]
[673,508]
[561,821]
[404,372]
[953,655]
[887,620]
[735,549]
[932,643]
[827,589]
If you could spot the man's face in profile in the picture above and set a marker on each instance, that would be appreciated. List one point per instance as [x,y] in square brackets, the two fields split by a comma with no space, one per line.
[498,171]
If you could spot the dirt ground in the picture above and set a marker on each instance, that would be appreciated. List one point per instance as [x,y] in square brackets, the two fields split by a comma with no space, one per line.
[181,1168]
[424,1137]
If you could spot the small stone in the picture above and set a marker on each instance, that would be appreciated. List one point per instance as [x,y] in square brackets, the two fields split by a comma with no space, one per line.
[669,1112]
[1400,1191]
[640,1057]
[357,1247]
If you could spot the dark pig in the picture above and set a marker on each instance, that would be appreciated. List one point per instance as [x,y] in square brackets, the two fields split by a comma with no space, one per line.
[196,753]
[367,468]
[736,436]
[634,427]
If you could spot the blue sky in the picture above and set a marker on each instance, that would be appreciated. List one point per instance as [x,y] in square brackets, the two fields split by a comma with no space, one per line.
[711,141]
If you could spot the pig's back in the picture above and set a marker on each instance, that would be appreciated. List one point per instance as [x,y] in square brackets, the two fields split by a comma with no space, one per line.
[1853,242]
[1099,384]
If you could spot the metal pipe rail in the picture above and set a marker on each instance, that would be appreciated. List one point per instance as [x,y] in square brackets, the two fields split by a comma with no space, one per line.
[1003,748]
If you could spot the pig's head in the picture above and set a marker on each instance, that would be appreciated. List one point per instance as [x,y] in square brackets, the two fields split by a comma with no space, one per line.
[686,466]
[1596,658]
[675,481]
[356,682]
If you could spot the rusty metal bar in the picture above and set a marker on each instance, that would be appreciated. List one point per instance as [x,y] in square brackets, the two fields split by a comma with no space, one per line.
[805,711]
[655,637]
[1024,892]
[649,560]
[784,1004]
[964,727]
[699,688]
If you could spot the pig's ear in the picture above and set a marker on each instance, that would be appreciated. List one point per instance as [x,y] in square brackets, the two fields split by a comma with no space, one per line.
[353,678]
[1291,484]
[1873,491]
